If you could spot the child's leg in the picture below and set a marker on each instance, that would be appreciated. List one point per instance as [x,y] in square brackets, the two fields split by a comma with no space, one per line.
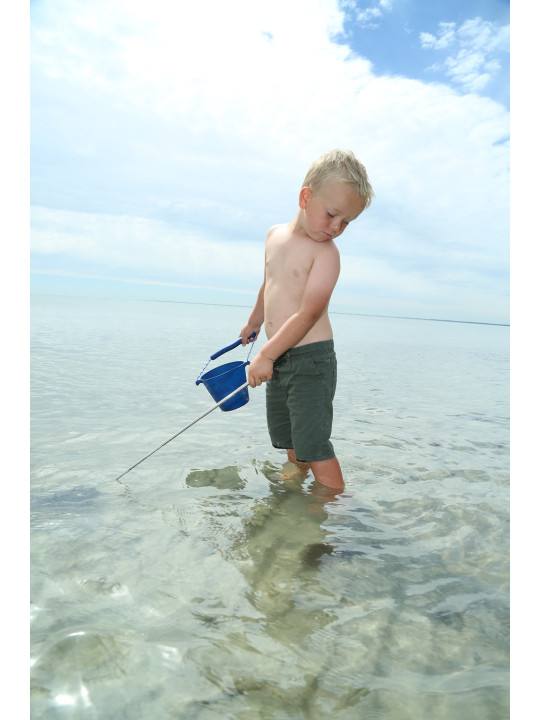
[327,472]
[291,457]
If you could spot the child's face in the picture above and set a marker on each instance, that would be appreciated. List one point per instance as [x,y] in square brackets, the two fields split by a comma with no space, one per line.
[329,209]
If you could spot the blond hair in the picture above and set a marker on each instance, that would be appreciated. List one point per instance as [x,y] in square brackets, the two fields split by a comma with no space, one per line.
[343,166]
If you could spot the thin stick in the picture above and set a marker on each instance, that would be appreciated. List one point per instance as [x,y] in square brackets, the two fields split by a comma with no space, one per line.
[242,387]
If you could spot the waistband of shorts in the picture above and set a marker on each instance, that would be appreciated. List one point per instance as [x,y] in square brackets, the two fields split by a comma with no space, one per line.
[316,348]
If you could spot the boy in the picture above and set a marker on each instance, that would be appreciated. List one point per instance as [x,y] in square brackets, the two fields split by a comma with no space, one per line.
[301,270]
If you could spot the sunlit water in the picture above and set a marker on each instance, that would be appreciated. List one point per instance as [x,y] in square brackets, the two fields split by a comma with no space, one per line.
[202,586]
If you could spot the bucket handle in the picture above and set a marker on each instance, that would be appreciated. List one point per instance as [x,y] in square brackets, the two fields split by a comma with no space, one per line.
[225,349]
[234,344]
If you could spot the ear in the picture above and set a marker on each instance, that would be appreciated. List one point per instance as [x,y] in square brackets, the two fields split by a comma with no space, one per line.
[305,195]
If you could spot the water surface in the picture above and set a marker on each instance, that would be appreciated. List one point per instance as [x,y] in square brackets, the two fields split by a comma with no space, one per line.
[203,586]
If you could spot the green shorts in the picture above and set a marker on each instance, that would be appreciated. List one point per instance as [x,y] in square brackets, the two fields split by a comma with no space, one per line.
[299,401]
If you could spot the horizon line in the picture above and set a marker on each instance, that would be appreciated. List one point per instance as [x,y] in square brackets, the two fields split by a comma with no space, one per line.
[342,312]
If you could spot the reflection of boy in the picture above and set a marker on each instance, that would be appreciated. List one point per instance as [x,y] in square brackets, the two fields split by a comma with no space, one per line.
[301,270]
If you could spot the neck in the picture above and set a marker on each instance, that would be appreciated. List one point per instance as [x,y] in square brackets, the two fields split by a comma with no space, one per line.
[296,224]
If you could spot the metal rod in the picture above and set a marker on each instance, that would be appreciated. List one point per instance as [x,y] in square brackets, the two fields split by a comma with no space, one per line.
[242,387]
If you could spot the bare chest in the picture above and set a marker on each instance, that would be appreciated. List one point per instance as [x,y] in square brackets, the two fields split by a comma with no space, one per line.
[288,264]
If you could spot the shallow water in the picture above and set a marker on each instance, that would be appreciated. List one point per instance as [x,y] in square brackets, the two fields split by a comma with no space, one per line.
[202,586]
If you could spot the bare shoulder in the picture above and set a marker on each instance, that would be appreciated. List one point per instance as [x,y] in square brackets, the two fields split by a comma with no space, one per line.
[326,265]
[276,230]
[326,251]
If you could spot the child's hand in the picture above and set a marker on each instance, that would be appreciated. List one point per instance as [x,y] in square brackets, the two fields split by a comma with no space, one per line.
[247,331]
[260,370]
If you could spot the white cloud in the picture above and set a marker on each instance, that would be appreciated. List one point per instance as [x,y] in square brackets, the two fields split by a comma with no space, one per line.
[141,247]
[445,38]
[167,137]
[370,16]
[474,49]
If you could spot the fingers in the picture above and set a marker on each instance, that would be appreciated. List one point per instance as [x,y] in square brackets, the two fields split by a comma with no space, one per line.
[256,380]
[246,334]
[260,370]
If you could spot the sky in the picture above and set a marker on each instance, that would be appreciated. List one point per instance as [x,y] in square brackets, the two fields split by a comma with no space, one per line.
[167,137]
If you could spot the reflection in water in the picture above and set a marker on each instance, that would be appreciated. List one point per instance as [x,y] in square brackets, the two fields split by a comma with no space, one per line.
[284,542]
[279,551]
[227,478]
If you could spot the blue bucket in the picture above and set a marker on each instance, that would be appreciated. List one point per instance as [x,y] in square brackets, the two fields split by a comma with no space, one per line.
[223,380]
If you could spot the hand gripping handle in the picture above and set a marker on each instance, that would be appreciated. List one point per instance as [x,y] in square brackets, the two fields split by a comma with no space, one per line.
[236,343]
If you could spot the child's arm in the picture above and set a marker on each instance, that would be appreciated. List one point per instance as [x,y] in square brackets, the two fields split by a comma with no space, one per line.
[318,291]
[256,318]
